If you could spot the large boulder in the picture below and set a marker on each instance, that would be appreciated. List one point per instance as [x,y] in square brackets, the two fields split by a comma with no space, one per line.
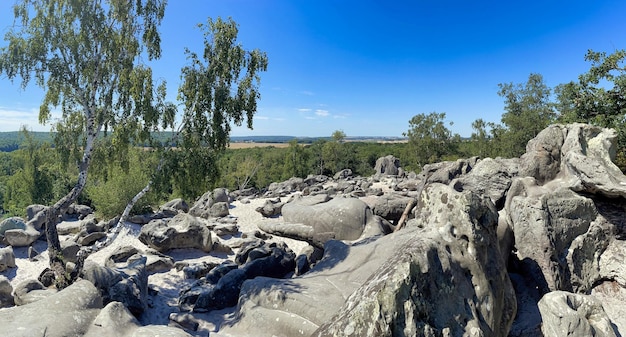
[445,278]
[11,223]
[491,177]
[559,235]
[69,312]
[390,207]
[339,218]
[444,172]
[388,165]
[115,320]
[29,291]
[218,291]
[573,315]
[182,231]
[7,258]
[128,285]
[17,232]
[212,204]
[6,290]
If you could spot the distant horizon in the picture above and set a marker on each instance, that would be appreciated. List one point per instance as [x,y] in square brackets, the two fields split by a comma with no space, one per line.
[367,67]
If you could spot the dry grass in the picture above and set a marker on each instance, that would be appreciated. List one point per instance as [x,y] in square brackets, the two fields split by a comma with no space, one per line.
[246,145]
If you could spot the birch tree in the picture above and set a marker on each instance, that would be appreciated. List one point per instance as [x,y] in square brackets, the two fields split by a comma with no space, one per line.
[87,57]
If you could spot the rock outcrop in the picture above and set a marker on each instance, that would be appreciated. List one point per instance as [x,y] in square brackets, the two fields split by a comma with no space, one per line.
[182,231]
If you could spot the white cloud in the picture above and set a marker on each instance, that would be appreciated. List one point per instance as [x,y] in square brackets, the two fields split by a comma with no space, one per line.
[340,116]
[322,113]
[309,117]
[307,93]
[262,118]
[304,110]
[279,119]
[14,119]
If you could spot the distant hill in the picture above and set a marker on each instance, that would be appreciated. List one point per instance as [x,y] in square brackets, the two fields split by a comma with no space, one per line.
[11,141]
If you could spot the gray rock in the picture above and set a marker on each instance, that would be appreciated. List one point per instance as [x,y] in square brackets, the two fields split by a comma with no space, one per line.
[390,207]
[491,177]
[7,258]
[21,237]
[218,291]
[12,223]
[205,208]
[542,159]
[445,172]
[454,260]
[32,210]
[182,231]
[271,208]
[226,229]
[70,249]
[388,166]
[29,291]
[339,218]
[116,320]
[6,290]
[573,315]
[612,265]
[557,233]
[178,204]
[343,174]
[128,285]
[613,296]
[69,312]
[91,238]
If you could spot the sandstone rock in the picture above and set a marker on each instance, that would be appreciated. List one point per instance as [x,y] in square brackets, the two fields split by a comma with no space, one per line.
[445,172]
[390,207]
[21,237]
[182,231]
[491,177]
[29,291]
[388,165]
[178,204]
[6,296]
[128,285]
[343,174]
[571,315]
[218,292]
[116,320]
[11,223]
[560,232]
[270,208]
[205,206]
[612,265]
[7,258]
[454,260]
[69,312]
[339,218]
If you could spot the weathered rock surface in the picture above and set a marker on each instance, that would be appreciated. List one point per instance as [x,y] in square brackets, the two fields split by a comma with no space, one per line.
[29,291]
[182,231]
[445,172]
[339,218]
[573,315]
[127,285]
[7,258]
[6,290]
[212,204]
[17,232]
[388,165]
[455,253]
[218,291]
[66,313]
[116,320]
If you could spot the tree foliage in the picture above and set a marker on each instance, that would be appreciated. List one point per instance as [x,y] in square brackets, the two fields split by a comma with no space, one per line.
[429,138]
[219,89]
[86,56]
[528,110]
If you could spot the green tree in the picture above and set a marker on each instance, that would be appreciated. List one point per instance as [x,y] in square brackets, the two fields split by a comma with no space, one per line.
[333,152]
[528,110]
[87,57]
[295,160]
[480,138]
[429,138]
[218,89]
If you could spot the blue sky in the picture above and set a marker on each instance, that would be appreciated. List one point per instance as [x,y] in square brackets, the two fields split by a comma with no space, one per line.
[367,67]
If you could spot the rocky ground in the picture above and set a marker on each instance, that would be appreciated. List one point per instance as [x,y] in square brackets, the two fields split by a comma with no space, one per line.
[526,246]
